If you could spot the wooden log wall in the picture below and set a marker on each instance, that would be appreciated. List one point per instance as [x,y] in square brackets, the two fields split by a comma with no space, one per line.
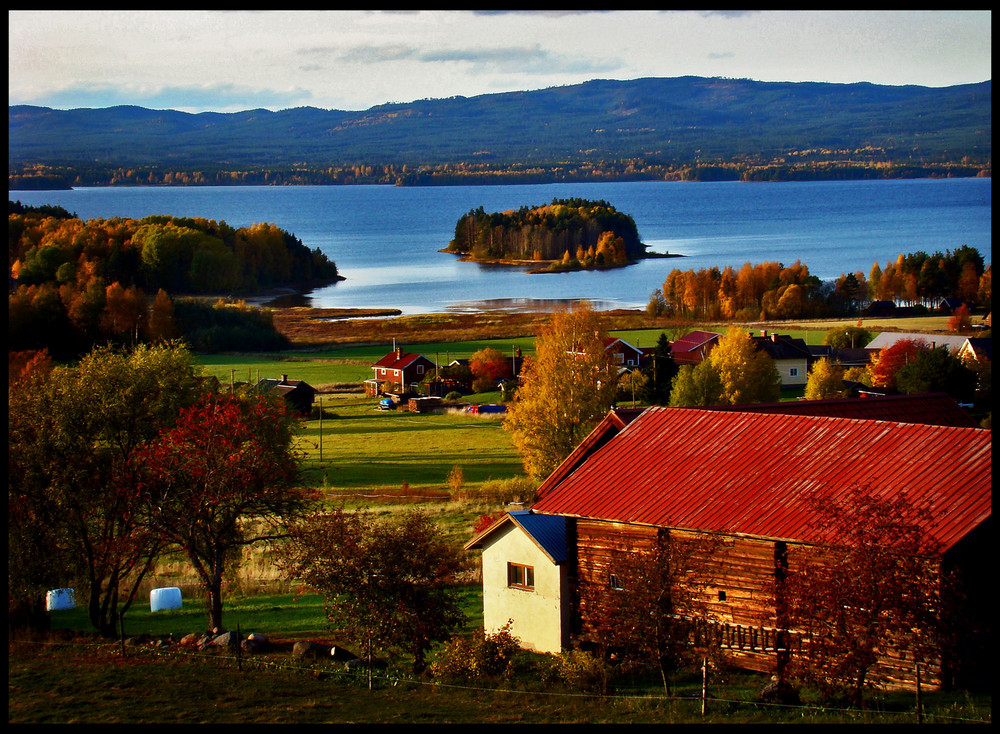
[745,624]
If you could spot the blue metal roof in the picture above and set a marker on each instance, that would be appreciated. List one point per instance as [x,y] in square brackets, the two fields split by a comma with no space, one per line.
[548,532]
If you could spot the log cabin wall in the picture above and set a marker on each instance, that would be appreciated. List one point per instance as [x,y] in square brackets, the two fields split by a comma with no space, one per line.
[597,544]
[734,591]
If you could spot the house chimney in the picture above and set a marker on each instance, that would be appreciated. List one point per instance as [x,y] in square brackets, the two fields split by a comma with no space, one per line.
[763,332]
[284,379]
[774,337]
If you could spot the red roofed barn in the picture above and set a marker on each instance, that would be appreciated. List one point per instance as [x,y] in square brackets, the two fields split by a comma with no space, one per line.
[745,478]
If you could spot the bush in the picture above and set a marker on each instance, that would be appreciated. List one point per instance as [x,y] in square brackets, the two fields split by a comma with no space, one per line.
[505,491]
[582,671]
[483,384]
[483,657]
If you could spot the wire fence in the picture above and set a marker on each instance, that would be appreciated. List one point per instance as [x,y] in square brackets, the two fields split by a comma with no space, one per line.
[255,662]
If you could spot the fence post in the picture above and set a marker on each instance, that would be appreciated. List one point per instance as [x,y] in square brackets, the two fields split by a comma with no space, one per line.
[704,684]
[239,648]
[121,630]
[920,708]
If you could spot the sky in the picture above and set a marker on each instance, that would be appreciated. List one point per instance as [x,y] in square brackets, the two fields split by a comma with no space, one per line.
[226,61]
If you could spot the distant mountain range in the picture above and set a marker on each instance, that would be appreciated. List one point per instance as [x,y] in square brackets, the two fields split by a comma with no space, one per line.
[689,126]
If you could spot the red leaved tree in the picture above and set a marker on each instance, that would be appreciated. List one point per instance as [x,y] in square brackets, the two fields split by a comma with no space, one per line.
[491,364]
[224,477]
[875,585]
[890,360]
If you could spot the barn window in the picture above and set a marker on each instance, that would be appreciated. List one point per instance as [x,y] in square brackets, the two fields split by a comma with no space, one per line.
[520,576]
[793,371]
[420,369]
[614,582]
[722,596]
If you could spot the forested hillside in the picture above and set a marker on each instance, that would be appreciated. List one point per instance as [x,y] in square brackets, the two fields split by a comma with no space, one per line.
[678,128]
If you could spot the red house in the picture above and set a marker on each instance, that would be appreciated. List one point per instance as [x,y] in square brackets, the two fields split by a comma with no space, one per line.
[398,371]
[693,347]
[624,354]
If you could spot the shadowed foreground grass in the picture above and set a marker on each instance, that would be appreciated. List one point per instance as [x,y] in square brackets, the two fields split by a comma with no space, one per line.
[83,682]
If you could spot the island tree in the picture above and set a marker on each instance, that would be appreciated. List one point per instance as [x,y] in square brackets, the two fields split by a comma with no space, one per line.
[566,229]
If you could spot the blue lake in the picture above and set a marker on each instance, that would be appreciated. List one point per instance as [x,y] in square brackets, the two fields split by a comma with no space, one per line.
[386,240]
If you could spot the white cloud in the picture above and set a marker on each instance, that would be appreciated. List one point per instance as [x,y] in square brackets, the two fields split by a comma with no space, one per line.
[357,59]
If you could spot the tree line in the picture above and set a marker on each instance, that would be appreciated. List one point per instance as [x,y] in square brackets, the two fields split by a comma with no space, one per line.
[80,282]
[37,177]
[771,290]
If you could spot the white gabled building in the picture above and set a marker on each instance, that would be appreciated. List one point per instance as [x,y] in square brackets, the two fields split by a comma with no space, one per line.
[525,579]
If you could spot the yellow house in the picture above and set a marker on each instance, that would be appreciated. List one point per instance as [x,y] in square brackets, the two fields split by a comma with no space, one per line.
[791,357]
[525,579]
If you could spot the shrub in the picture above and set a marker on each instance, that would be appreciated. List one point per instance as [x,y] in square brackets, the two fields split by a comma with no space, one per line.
[489,656]
[582,671]
[483,384]
[505,491]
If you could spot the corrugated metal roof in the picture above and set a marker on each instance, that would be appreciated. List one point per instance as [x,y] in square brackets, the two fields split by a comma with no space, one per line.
[936,409]
[751,473]
[398,360]
[888,338]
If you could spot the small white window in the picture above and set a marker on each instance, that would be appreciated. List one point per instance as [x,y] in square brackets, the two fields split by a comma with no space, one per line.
[520,576]
[793,371]
[420,369]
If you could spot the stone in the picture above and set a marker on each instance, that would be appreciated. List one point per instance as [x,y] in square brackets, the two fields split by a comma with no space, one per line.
[306,650]
[226,639]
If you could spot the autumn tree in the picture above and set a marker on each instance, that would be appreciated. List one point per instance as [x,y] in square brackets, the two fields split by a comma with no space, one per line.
[961,320]
[161,324]
[936,370]
[124,311]
[695,386]
[75,437]
[735,372]
[873,586]
[889,360]
[489,366]
[384,581]
[35,558]
[825,381]
[847,337]
[563,391]
[225,476]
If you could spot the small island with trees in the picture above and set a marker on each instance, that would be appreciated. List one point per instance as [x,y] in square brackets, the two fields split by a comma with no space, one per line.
[568,234]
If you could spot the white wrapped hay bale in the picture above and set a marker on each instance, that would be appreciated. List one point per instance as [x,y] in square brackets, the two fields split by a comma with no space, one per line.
[168,597]
[60,599]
